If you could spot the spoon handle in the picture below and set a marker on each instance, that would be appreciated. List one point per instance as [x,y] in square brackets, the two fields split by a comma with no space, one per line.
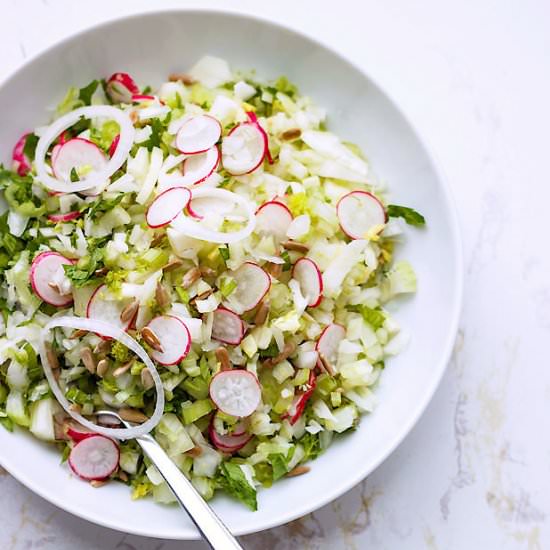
[208,523]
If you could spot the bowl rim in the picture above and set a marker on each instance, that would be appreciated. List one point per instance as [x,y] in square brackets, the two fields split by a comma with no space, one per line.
[457,292]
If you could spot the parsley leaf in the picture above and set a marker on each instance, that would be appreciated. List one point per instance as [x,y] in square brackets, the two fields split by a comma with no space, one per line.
[85,94]
[155,138]
[311,445]
[81,272]
[30,146]
[224,253]
[233,480]
[101,206]
[271,351]
[410,215]
[288,262]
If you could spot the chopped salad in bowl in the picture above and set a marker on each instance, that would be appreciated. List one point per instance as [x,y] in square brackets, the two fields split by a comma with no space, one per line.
[208,260]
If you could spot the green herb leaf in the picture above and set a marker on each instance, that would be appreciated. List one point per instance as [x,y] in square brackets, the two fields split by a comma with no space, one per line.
[81,272]
[224,253]
[85,94]
[271,351]
[288,262]
[30,146]
[311,445]
[101,206]
[233,480]
[155,139]
[374,317]
[7,423]
[410,215]
[279,464]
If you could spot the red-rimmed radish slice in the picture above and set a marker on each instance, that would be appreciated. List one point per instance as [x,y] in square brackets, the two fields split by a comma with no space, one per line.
[141,98]
[328,342]
[227,327]
[77,153]
[236,392]
[273,217]
[309,277]
[174,338]
[94,458]
[167,206]
[77,432]
[198,134]
[253,283]
[121,87]
[69,216]
[228,443]
[240,428]
[299,403]
[113,146]
[254,120]
[44,272]
[358,212]
[244,148]
[94,178]
[21,164]
[200,166]
[104,306]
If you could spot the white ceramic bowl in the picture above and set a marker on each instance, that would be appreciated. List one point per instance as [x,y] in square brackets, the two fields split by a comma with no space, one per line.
[149,47]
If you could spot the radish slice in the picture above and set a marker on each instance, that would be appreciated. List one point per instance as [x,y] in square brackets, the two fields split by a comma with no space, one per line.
[110,331]
[191,228]
[78,433]
[77,153]
[309,277]
[69,216]
[328,342]
[244,149]
[229,443]
[273,218]
[300,401]
[112,147]
[236,392]
[104,306]
[253,283]
[167,206]
[21,164]
[121,87]
[174,338]
[44,270]
[358,212]
[94,458]
[195,169]
[227,327]
[141,98]
[95,178]
[254,119]
[198,134]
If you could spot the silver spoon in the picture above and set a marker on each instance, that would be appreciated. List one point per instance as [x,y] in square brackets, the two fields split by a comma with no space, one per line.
[214,531]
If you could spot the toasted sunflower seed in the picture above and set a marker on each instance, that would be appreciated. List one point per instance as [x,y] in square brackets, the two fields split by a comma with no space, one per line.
[78,334]
[88,359]
[275,270]
[102,367]
[172,265]
[261,313]
[151,339]
[291,134]
[325,365]
[190,277]
[296,246]
[288,350]
[181,77]
[52,356]
[123,368]
[132,415]
[223,357]
[129,312]
[146,379]
[162,297]
[298,471]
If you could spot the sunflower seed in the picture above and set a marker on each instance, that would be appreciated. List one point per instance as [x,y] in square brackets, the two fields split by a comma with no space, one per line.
[132,415]
[181,77]
[298,471]
[162,297]
[325,365]
[297,247]
[78,334]
[52,356]
[101,272]
[147,379]
[102,367]
[172,265]
[88,359]
[207,271]
[122,475]
[223,357]
[275,270]
[291,134]
[288,350]
[54,286]
[129,312]
[190,277]
[103,347]
[151,339]
[123,368]
[261,314]
[95,483]
[194,452]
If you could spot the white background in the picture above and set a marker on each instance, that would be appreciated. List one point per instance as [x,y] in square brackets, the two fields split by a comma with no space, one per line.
[474,76]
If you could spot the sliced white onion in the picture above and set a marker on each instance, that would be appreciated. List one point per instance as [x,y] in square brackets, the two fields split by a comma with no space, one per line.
[94,178]
[106,329]
[188,226]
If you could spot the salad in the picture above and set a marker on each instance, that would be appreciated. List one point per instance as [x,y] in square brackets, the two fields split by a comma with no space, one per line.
[208,260]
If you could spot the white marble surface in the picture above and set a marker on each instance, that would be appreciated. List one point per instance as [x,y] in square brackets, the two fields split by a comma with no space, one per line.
[475,472]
